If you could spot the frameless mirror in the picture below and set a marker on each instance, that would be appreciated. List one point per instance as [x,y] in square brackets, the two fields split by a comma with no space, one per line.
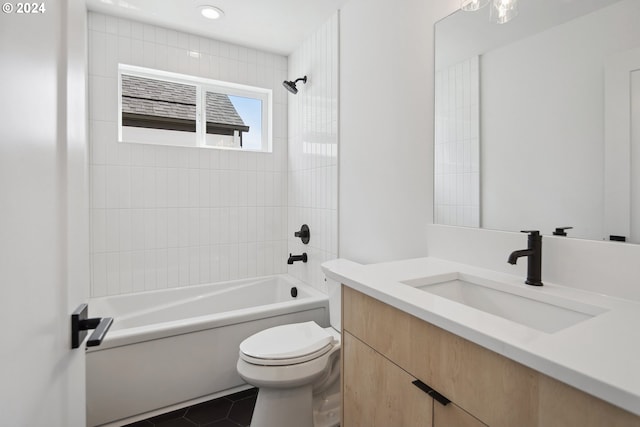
[537,121]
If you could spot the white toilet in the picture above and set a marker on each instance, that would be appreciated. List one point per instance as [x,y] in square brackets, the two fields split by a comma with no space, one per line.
[297,370]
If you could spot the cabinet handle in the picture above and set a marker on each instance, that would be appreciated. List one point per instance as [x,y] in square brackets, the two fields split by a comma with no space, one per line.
[431,392]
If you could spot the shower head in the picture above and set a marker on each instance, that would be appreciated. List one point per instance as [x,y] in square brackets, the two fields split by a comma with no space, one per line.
[291,86]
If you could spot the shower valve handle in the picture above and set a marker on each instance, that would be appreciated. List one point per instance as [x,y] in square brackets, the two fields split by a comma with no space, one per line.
[304,234]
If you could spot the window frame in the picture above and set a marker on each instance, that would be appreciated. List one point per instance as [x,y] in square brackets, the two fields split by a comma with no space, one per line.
[202,85]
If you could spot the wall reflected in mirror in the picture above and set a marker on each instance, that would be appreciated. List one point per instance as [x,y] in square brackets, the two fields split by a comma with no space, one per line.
[523,139]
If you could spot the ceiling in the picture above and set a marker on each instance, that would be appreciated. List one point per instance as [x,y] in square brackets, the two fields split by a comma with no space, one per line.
[278,26]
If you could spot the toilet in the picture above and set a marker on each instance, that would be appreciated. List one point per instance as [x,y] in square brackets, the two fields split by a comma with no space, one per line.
[297,370]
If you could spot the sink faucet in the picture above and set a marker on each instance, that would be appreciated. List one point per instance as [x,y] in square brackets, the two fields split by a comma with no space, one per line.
[534,253]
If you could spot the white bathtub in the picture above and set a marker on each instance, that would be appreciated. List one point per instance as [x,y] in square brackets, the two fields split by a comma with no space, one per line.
[179,346]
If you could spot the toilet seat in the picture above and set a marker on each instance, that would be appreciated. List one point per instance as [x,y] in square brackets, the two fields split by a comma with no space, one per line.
[285,362]
[287,345]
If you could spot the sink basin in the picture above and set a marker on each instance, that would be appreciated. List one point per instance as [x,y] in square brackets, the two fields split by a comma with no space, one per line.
[544,312]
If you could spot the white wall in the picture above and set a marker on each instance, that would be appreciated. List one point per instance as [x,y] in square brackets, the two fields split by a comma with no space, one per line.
[386,129]
[171,216]
[313,149]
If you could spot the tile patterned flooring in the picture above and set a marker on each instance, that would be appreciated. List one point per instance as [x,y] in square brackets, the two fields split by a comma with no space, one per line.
[234,410]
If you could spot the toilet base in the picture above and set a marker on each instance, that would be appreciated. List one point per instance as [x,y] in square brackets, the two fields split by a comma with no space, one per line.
[278,407]
[326,410]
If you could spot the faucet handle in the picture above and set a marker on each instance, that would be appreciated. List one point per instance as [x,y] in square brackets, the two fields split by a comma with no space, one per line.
[303,234]
[534,233]
[561,231]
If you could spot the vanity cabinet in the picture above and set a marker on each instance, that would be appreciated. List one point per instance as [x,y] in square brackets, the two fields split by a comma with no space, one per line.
[377,392]
[386,349]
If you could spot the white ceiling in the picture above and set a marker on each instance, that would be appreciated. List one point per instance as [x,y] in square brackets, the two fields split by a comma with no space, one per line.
[277,26]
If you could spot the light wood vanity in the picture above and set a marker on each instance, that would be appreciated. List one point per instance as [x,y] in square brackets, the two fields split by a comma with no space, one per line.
[385,350]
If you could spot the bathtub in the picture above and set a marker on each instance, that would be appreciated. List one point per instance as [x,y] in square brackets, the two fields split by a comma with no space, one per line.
[175,347]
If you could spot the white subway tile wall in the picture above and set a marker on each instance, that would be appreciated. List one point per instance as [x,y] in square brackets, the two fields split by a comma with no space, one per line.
[313,152]
[457,145]
[171,216]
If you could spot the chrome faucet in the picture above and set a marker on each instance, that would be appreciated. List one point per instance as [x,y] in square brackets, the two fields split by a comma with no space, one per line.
[534,253]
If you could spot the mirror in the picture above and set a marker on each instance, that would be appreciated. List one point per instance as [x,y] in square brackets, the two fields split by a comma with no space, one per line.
[533,128]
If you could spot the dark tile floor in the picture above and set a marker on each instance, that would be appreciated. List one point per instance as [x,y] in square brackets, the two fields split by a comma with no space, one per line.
[233,410]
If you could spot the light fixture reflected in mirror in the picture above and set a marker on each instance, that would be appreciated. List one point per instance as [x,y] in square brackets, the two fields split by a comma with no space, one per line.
[473,5]
[503,11]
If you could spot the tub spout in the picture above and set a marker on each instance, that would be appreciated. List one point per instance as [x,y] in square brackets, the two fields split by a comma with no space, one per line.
[294,258]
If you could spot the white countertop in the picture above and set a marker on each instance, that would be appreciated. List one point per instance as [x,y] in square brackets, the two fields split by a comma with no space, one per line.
[600,356]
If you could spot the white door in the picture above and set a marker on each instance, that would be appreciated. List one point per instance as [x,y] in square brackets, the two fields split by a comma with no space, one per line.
[43,213]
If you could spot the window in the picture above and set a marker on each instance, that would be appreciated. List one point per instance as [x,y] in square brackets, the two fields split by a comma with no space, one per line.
[157,107]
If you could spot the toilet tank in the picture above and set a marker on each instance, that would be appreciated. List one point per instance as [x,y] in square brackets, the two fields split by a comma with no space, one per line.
[335,303]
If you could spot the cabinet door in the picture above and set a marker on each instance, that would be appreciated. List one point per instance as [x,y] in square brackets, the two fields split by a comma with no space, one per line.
[377,393]
[452,415]
[563,405]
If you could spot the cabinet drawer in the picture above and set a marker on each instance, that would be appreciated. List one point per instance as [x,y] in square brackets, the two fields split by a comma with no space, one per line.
[379,393]
[452,415]
[495,389]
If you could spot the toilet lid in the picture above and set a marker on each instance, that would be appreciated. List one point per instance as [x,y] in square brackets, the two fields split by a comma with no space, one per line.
[286,342]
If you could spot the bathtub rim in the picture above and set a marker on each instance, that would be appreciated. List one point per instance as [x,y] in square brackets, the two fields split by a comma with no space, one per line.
[134,335]
[291,280]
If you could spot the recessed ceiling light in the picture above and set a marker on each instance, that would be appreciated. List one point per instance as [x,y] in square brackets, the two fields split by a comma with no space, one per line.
[211,12]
